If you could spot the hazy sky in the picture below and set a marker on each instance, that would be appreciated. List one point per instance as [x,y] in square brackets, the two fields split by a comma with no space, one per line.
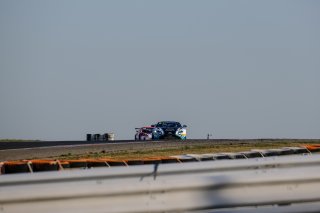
[236,69]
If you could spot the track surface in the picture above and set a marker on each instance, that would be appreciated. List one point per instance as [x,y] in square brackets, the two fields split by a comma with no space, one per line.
[35,144]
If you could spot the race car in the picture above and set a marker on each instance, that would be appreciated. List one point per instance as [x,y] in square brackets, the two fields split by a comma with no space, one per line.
[172,129]
[148,133]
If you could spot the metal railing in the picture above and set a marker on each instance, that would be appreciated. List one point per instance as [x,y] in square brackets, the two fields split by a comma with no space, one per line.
[270,184]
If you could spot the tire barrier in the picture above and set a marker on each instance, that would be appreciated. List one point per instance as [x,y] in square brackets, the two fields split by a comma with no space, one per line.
[252,154]
[17,167]
[170,160]
[78,163]
[44,165]
[201,157]
[99,137]
[185,158]
[113,163]
[92,163]
[152,161]
[287,184]
[63,165]
[1,168]
[29,166]
[134,162]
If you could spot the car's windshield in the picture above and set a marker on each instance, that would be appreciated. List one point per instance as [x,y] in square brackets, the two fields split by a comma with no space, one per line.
[169,124]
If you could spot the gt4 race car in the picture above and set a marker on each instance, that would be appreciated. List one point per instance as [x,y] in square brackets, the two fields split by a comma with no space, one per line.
[172,129]
[148,133]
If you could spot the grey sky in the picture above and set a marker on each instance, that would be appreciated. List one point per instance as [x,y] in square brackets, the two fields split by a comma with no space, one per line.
[236,69]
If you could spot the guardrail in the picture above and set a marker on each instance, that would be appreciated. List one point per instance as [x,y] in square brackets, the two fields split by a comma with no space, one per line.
[271,184]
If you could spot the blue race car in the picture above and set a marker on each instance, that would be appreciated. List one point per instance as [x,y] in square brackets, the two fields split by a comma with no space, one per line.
[172,129]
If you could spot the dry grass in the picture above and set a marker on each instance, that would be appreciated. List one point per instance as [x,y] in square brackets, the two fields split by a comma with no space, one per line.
[187,149]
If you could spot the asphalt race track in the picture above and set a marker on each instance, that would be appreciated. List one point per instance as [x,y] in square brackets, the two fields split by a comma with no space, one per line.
[34,144]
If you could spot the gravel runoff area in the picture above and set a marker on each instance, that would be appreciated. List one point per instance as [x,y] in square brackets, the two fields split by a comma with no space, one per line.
[114,147]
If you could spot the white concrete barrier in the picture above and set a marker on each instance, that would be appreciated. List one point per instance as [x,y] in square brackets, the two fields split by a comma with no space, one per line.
[275,184]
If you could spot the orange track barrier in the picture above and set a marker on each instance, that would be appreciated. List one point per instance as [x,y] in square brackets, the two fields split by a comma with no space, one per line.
[96,163]
[86,163]
[54,165]
[63,164]
[112,162]
[44,165]
[17,167]
[77,163]
[151,160]
[312,147]
[134,162]
[169,160]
